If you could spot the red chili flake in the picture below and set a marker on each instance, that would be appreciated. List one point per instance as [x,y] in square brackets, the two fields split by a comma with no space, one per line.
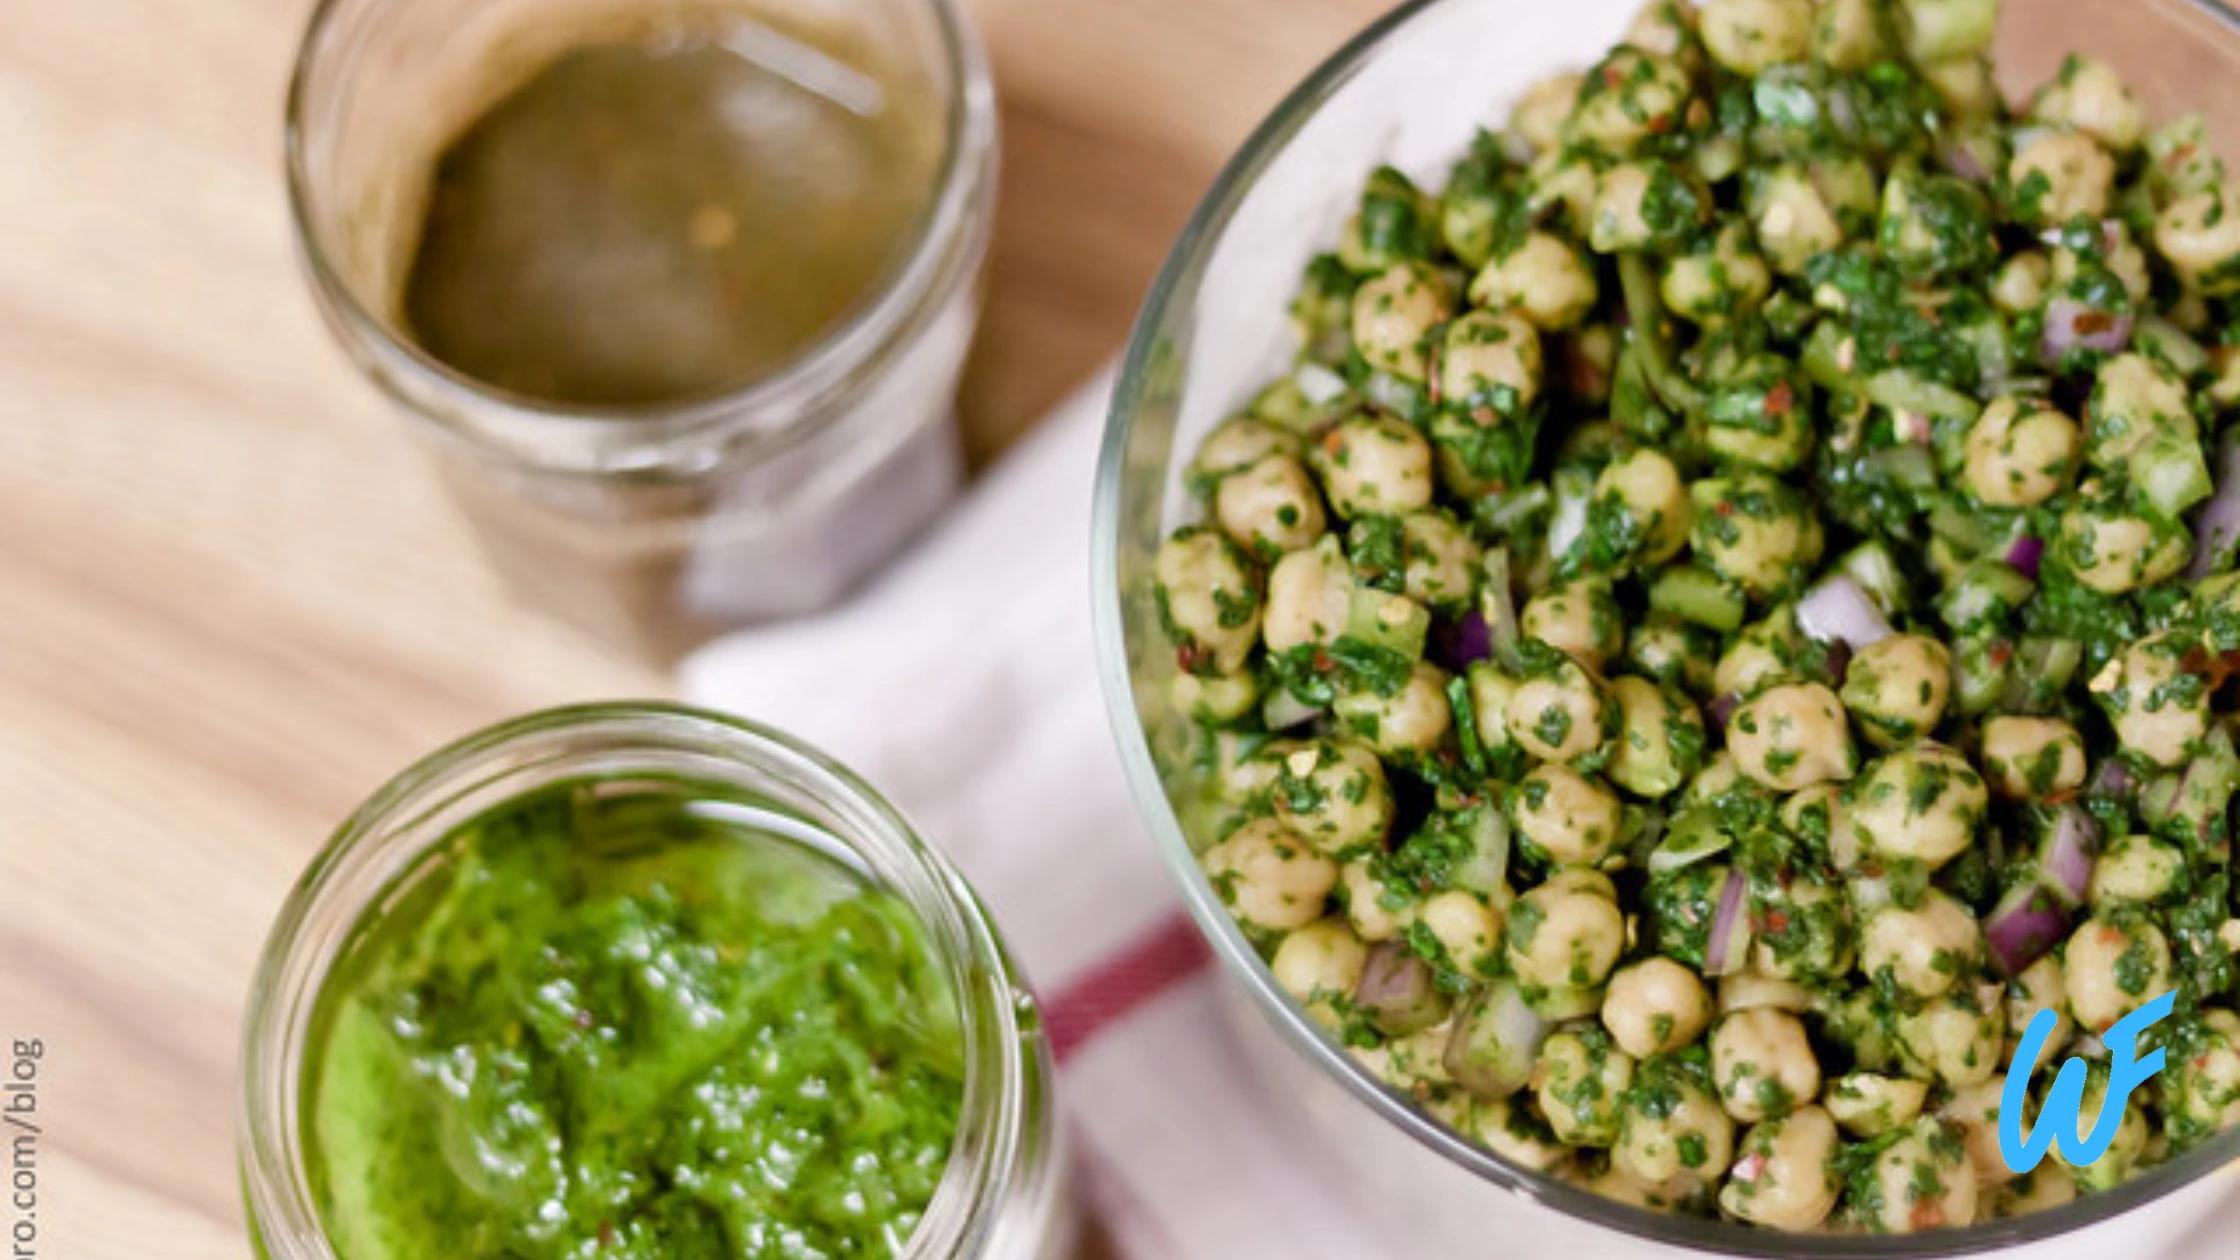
[1661,124]
[1332,440]
[2000,654]
[1188,656]
[1928,1214]
[1611,78]
[606,1234]
[1322,662]
[1775,921]
[1725,508]
[1780,400]
[1893,355]
[2094,321]
[2179,157]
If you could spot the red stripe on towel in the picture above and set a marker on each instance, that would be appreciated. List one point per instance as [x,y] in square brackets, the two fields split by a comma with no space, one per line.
[1108,992]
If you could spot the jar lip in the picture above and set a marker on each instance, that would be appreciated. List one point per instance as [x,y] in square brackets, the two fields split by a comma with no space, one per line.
[598,438]
[994,1137]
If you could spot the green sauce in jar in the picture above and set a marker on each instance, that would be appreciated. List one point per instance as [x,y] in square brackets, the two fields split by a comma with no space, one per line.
[617,1018]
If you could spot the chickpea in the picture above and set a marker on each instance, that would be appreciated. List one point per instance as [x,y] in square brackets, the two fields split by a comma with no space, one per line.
[1239,442]
[1726,280]
[1578,618]
[1631,96]
[1785,1177]
[1246,776]
[1660,739]
[1764,654]
[1571,818]
[1490,694]
[1754,531]
[2089,96]
[1618,220]
[1748,36]
[1763,1063]
[1579,1080]
[2203,1089]
[2039,988]
[2121,256]
[1952,1039]
[1674,653]
[1539,115]
[1334,792]
[1393,312]
[1646,486]
[1560,715]
[2111,968]
[1921,804]
[1566,933]
[1965,86]
[1542,279]
[1561,188]
[1792,219]
[1847,34]
[1270,876]
[1319,965]
[1218,698]
[2114,551]
[1664,27]
[1374,465]
[1208,597]
[1443,560]
[1412,721]
[2030,759]
[2020,284]
[2042,1189]
[1974,1111]
[1792,736]
[2136,870]
[1516,1135]
[2115,1164]
[1897,688]
[1867,1105]
[1682,1143]
[2199,236]
[2060,175]
[1376,910]
[1468,928]
[1925,949]
[2020,457]
[1269,506]
[2159,711]
[1491,360]
[1755,988]
[2134,399]
[1924,1180]
[1816,814]
[1310,594]
[1655,1006]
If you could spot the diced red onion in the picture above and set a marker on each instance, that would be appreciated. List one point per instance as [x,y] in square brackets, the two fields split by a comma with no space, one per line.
[1569,524]
[2023,555]
[1458,642]
[2071,324]
[1730,929]
[1282,711]
[2113,778]
[1716,713]
[2022,927]
[1486,870]
[1838,609]
[2066,858]
[2218,522]
[1962,161]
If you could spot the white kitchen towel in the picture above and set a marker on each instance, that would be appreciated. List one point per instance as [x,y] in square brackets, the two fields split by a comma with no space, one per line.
[963,684]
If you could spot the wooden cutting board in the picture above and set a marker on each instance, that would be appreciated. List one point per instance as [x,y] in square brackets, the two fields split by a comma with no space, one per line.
[232,602]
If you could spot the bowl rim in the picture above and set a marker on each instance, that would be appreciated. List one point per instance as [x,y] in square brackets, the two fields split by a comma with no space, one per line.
[1243,965]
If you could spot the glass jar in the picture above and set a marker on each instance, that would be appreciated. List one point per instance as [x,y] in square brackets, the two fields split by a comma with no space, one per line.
[1002,1195]
[653,526]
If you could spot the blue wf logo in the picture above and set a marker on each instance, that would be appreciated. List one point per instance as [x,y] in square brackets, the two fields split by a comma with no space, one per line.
[2060,1121]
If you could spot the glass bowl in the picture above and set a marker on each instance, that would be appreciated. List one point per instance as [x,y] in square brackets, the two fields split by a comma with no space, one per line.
[1409,91]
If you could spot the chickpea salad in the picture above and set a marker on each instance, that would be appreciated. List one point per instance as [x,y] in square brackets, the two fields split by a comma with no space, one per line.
[1731,614]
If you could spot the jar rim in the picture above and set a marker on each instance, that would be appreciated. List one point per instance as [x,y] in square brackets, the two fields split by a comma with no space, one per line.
[995,1142]
[943,249]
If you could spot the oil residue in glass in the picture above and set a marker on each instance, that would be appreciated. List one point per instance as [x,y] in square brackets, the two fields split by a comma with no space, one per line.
[668,217]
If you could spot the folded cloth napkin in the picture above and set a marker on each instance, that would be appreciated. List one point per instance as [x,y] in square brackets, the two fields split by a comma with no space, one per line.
[963,685]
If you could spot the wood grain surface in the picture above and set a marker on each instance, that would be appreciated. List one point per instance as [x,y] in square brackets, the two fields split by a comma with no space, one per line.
[231,599]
